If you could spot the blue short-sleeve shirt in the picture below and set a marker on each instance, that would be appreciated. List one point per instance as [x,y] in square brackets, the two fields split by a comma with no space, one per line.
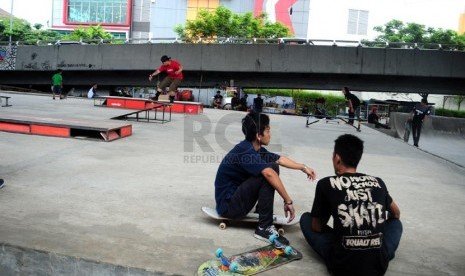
[241,163]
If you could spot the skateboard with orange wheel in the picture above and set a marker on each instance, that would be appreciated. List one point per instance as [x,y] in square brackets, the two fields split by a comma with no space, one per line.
[250,262]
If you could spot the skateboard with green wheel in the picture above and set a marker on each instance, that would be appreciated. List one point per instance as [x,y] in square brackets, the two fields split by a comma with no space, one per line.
[250,262]
[407,130]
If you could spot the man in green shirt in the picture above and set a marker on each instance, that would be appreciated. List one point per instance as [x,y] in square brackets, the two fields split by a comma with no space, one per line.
[57,83]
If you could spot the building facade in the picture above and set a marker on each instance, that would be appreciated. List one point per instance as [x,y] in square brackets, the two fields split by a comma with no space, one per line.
[462,23]
[144,19]
[151,19]
[114,16]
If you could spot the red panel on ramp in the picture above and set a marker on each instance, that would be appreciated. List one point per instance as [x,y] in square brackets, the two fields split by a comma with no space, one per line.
[126,131]
[133,104]
[12,127]
[115,102]
[50,131]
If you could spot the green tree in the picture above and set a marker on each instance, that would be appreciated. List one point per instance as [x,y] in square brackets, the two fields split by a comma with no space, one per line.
[22,31]
[224,23]
[458,99]
[398,31]
[89,33]
[20,28]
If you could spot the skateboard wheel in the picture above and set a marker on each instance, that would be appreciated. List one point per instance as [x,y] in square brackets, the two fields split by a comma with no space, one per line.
[222,225]
[281,231]
[219,252]
[288,250]
[273,238]
[234,267]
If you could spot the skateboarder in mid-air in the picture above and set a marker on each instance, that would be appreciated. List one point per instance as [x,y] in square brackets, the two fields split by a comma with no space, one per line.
[249,175]
[173,78]
[363,238]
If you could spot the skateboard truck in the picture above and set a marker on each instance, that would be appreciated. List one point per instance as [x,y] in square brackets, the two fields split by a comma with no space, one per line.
[224,260]
[287,249]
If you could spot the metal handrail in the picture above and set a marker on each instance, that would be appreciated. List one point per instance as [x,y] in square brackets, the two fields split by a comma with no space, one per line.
[243,40]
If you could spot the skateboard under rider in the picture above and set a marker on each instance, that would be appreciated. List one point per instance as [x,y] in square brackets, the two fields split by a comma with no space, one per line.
[251,217]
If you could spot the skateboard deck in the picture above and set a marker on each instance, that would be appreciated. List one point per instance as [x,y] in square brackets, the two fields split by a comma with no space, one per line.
[251,217]
[346,120]
[250,262]
[408,129]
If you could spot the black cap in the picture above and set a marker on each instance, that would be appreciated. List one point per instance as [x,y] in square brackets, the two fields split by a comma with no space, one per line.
[165,58]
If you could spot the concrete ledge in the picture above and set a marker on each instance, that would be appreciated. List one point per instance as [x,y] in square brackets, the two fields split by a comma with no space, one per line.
[432,124]
[16,260]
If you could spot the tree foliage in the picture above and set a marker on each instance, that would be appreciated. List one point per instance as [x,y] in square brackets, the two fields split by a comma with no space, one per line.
[22,31]
[89,33]
[398,31]
[222,22]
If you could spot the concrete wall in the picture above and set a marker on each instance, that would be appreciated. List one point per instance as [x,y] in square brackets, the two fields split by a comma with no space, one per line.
[433,125]
[247,58]
[251,65]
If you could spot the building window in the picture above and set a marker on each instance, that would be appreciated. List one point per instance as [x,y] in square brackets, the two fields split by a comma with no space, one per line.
[358,22]
[193,7]
[98,11]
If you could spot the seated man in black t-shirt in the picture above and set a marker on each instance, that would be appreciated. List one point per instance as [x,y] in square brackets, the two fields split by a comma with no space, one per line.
[373,118]
[366,227]
[236,102]
[218,100]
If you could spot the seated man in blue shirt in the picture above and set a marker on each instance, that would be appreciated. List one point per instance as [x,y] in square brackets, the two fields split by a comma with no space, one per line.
[249,175]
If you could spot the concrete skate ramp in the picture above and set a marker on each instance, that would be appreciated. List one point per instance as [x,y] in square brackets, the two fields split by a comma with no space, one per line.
[441,136]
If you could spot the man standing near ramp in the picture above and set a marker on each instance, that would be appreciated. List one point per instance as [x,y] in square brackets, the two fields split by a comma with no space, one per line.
[353,103]
[57,80]
[173,78]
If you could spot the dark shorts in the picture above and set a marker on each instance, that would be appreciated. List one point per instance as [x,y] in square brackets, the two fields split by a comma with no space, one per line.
[172,83]
[56,89]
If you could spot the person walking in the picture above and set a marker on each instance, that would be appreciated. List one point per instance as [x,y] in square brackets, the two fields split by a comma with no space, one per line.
[418,116]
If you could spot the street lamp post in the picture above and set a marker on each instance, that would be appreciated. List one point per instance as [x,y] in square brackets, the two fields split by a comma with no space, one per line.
[11,22]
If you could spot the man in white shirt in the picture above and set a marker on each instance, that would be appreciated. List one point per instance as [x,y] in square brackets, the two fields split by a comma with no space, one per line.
[92,91]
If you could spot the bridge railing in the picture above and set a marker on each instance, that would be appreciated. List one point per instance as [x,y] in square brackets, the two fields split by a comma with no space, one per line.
[239,40]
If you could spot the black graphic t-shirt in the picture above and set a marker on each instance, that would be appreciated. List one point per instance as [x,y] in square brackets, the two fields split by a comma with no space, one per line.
[358,204]
[354,99]
[420,111]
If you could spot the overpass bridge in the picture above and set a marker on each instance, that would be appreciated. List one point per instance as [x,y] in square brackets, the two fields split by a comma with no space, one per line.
[278,65]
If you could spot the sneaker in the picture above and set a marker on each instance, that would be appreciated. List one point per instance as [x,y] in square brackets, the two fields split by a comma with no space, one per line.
[264,234]
[2,183]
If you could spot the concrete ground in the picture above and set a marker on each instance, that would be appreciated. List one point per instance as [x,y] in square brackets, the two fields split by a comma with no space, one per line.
[132,206]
